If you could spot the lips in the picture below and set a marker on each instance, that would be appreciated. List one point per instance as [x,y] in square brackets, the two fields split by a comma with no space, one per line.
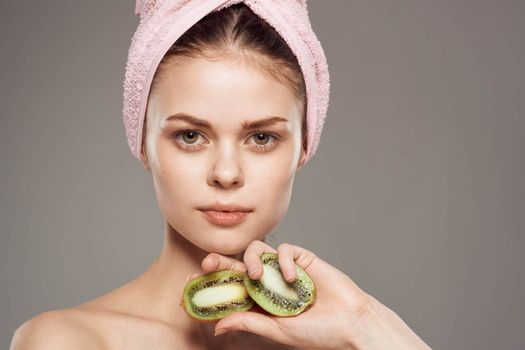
[224,207]
[225,214]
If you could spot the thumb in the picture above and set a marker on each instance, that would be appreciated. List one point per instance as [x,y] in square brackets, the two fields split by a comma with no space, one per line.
[253,322]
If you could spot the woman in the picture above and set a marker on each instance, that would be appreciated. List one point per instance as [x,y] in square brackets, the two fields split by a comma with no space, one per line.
[224,131]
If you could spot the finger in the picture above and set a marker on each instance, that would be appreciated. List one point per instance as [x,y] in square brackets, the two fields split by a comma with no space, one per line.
[252,258]
[252,322]
[192,276]
[302,257]
[216,262]
[286,261]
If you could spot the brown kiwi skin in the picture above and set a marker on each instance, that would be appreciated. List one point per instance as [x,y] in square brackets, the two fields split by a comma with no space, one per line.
[261,301]
[212,276]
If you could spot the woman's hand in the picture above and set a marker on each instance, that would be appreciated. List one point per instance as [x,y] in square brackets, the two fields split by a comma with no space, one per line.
[342,317]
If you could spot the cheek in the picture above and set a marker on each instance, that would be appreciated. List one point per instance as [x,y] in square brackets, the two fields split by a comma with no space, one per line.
[175,179]
[271,181]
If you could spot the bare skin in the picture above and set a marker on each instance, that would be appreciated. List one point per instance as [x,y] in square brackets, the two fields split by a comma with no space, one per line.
[142,314]
[225,163]
[229,165]
[343,316]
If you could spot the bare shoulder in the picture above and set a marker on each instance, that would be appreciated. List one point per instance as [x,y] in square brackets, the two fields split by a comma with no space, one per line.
[56,329]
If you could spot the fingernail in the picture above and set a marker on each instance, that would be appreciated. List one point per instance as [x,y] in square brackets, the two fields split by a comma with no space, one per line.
[253,270]
[220,331]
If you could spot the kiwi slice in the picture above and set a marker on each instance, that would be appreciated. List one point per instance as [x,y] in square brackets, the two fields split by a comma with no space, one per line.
[216,295]
[275,295]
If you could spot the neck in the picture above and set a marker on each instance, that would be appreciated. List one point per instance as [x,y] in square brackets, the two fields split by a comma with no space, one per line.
[165,279]
[156,294]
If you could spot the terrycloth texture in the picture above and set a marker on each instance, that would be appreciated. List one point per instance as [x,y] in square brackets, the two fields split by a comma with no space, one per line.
[162,22]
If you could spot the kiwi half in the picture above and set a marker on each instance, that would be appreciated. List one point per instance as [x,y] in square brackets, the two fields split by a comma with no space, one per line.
[275,295]
[216,295]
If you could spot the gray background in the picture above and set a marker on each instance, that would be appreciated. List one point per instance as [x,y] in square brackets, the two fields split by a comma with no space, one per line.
[416,191]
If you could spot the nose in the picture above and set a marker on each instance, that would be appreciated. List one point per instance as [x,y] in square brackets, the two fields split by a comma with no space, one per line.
[226,169]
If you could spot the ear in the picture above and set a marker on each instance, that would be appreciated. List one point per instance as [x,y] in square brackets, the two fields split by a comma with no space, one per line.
[144,157]
[302,159]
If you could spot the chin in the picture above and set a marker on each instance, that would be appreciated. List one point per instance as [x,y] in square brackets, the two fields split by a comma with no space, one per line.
[227,246]
[224,249]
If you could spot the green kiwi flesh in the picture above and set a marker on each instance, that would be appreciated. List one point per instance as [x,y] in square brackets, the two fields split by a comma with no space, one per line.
[215,295]
[275,295]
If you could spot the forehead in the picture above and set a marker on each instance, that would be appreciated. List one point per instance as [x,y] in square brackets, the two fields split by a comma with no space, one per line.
[220,89]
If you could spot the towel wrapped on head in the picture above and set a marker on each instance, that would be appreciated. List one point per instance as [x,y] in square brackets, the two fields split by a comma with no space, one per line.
[162,22]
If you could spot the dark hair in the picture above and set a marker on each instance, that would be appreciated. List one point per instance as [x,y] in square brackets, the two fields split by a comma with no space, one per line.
[236,30]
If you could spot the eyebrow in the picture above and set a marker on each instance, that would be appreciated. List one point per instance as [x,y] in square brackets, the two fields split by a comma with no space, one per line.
[248,124]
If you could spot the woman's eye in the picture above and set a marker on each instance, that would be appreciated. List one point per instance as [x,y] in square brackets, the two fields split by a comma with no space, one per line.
[261,138]
[187,139]
[189,136]
[264,141]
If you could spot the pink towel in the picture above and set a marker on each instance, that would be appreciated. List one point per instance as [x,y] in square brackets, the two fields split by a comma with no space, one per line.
[162,22]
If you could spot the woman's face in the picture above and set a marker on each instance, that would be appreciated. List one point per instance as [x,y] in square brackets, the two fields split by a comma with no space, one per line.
[201,149]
